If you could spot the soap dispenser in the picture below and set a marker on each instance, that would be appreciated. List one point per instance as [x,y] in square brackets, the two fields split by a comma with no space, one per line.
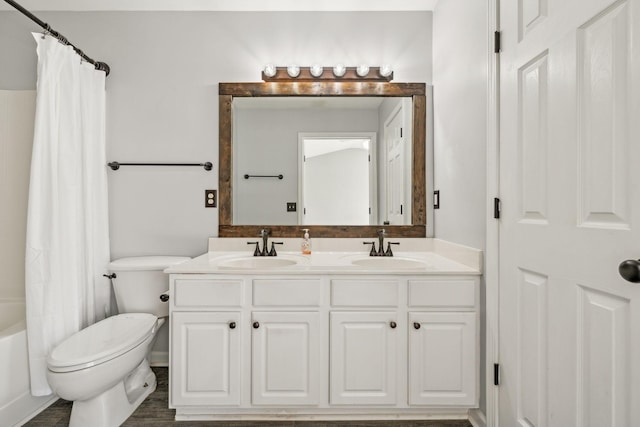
[306,242]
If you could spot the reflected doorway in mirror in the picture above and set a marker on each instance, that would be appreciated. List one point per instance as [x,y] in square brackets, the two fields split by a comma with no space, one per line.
[337,178]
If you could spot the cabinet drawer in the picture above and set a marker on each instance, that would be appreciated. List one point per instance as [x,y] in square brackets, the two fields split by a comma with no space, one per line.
[364,292]
[287,292]
[207,293]
[454,293]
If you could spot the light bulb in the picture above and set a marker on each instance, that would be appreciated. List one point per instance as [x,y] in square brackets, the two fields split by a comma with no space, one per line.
[386,70]
[339,70]
[293,71]
[269,70]
[362,70]
[316,70]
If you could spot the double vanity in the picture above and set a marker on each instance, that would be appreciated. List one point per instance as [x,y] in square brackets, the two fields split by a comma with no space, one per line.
[332,335]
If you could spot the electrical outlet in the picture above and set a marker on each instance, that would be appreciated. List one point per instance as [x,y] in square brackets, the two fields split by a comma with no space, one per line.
[210,198]
[291,206]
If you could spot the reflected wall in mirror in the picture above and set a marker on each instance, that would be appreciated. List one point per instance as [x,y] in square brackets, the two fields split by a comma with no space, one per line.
[351,156]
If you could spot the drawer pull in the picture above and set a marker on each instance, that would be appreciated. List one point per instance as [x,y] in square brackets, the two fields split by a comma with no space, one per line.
[393,325]
[232,325]
[256,325]
[416,325]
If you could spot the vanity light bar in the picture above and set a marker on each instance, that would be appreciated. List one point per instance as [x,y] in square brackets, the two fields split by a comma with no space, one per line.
[271,73]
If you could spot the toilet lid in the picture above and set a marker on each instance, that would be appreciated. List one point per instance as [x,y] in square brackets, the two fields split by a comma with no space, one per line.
[102,341]
[145,263]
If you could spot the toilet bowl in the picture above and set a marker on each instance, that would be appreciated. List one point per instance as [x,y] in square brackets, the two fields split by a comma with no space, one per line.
[104,369]
[94,366]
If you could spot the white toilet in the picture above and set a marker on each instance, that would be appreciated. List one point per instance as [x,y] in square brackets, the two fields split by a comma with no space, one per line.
[104,368]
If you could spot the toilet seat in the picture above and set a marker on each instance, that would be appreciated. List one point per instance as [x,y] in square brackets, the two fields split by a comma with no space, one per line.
[102,341]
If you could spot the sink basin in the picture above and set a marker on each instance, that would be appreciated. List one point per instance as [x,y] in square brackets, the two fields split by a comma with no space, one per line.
[389,263]
[257,262]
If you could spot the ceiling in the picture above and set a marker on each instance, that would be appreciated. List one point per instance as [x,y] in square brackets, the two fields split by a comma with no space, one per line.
[224,5]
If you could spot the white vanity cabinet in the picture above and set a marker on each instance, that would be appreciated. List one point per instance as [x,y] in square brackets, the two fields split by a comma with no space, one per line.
[206,368]
[364,354]
[205,340]
[442,359]
[321,344]
[365,341]
[285,358]
[443,341]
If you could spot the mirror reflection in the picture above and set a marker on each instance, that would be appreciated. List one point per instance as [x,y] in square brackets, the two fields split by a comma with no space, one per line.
[324,196]
[322,160]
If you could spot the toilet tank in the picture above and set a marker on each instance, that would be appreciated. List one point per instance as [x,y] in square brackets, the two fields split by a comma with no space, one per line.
[140,281]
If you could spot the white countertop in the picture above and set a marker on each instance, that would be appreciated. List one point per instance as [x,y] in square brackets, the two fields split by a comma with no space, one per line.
[324,262]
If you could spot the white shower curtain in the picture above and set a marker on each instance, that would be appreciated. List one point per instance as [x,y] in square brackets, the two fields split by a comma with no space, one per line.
[67,224]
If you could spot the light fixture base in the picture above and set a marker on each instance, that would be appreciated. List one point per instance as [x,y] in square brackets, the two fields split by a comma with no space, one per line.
[305,75]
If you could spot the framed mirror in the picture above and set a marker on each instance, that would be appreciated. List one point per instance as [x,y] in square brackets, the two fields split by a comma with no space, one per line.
[235,99]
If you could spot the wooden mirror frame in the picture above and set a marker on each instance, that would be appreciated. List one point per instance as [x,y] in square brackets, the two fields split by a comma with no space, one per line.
[228,91]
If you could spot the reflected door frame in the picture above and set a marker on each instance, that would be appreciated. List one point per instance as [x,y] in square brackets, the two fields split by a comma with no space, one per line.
[373,187]
[396,206]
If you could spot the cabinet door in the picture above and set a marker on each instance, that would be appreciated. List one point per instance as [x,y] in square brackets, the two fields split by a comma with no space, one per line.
[443,363]
[205,358]
[285,358]
[364,355]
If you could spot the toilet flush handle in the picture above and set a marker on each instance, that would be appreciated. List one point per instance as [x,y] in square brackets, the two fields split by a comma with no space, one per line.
[164,297]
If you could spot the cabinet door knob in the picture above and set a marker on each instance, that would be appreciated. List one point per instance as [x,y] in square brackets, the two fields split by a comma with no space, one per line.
[393,324]
[232,325]
[256,325]
[416,325]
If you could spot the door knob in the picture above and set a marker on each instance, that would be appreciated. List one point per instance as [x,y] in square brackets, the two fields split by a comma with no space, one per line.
[393,324]
[630,270]
[416,325]
[232,325]
[256,325]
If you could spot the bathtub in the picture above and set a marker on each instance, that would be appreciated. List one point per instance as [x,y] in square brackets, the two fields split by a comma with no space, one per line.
[16,403]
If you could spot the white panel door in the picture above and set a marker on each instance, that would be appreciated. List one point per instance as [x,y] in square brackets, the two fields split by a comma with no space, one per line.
[205,359]
[442,359]
[364,351]
[286,358]
[570,140]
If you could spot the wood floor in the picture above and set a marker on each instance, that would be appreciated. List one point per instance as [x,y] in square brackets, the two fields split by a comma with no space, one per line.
[154,412]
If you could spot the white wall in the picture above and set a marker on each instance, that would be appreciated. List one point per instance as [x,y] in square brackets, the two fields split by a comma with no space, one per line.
[460,76]
[17,112]
[460,114]
[162,94]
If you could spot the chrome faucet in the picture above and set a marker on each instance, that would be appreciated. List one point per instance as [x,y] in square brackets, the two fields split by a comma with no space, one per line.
[264,234]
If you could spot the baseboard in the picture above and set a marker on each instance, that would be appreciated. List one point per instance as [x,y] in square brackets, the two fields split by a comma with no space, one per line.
[477,418]
[159,359]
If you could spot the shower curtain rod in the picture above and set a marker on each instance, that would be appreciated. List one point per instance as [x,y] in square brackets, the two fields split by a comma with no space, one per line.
[102,66]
